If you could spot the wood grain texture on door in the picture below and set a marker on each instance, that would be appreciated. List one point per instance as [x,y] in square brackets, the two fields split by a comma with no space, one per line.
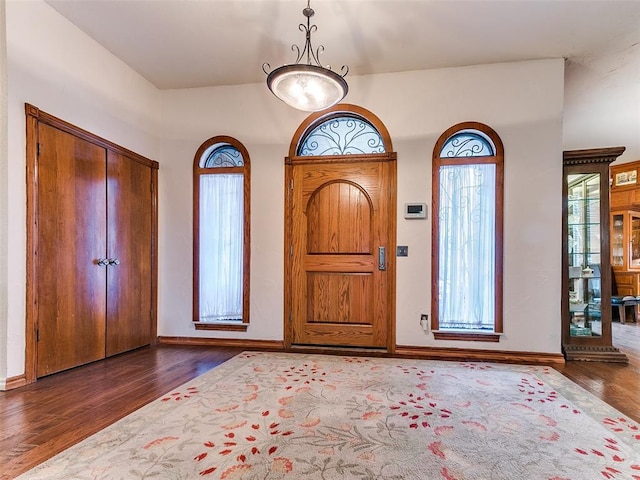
[129,227]
[71,240]
[340,217]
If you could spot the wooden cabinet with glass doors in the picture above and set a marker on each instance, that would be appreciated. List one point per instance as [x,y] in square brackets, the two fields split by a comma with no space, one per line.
[625,251]
[586,262]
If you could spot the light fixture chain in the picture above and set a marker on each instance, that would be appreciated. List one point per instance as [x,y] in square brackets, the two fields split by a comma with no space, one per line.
[308,48]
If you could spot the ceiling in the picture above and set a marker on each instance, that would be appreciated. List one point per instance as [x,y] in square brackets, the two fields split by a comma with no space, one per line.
[198,43]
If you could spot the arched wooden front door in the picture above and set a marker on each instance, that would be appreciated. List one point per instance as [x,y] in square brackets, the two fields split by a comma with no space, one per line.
[340,235]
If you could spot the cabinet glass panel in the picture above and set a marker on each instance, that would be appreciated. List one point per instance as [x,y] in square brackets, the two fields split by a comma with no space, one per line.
[583,223]
[635,242]
[617,240]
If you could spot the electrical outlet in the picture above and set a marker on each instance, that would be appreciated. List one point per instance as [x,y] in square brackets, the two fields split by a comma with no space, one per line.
[424,322]
[402,251]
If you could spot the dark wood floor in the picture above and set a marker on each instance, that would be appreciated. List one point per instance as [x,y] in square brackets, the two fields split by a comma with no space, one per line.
[616,384]
[42,419]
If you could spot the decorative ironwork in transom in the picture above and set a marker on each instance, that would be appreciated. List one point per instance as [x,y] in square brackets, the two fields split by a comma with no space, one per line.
[345,135]
[468,143]
[223,156]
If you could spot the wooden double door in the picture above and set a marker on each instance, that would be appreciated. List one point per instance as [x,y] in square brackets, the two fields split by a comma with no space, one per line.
[340,268]
[93,243]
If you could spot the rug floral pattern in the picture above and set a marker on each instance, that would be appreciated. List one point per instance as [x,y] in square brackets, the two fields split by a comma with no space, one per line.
[294,416]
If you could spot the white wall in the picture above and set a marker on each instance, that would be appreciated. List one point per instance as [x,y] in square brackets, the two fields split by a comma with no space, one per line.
[54,66]
[521,101]
[602,99]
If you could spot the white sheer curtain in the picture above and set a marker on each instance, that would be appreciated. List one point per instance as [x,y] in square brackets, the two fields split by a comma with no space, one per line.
[467,246]
[221,246]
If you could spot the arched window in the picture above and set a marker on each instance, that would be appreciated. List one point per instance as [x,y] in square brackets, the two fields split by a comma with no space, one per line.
[221,188]
[468,163]
[344,134]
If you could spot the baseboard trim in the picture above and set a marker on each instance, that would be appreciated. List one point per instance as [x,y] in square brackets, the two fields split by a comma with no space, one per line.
[224,342]
[468,354]
[401,351]
[15,382]
[595,354]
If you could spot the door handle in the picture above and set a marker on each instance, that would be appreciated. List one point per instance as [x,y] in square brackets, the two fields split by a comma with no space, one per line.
[114,261]
[103,262]
[382,258]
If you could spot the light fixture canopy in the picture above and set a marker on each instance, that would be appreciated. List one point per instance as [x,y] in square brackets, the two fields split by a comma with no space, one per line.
[305,86]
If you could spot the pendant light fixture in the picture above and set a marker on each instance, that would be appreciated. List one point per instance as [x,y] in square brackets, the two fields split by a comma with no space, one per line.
[307,86]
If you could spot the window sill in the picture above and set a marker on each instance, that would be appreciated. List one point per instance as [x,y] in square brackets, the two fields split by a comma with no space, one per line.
[229,326]
[468,336]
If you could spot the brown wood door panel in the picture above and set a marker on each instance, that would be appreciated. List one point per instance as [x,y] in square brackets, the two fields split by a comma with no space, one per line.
[339,298]
[71,238]
[342,263]
[129,283]
[340,216]
[347,202]
[338,335]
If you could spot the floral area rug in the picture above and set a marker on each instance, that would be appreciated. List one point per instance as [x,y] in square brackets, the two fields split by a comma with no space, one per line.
[324,417]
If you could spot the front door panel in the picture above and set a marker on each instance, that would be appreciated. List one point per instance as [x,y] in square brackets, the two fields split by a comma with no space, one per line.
[340,295]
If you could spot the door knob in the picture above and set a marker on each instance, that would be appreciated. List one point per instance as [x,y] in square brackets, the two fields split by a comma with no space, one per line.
[114,261]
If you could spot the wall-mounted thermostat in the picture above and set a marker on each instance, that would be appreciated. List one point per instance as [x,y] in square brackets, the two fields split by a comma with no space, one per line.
[415,210]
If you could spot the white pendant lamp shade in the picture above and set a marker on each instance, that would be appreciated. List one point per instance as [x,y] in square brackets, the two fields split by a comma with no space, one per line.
[305,86]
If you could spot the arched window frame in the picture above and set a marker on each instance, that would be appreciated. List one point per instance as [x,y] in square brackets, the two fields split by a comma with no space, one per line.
[204,151]
[497,158]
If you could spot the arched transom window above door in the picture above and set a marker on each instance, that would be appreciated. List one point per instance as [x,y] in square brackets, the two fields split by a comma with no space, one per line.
[343,134]
[342,130]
